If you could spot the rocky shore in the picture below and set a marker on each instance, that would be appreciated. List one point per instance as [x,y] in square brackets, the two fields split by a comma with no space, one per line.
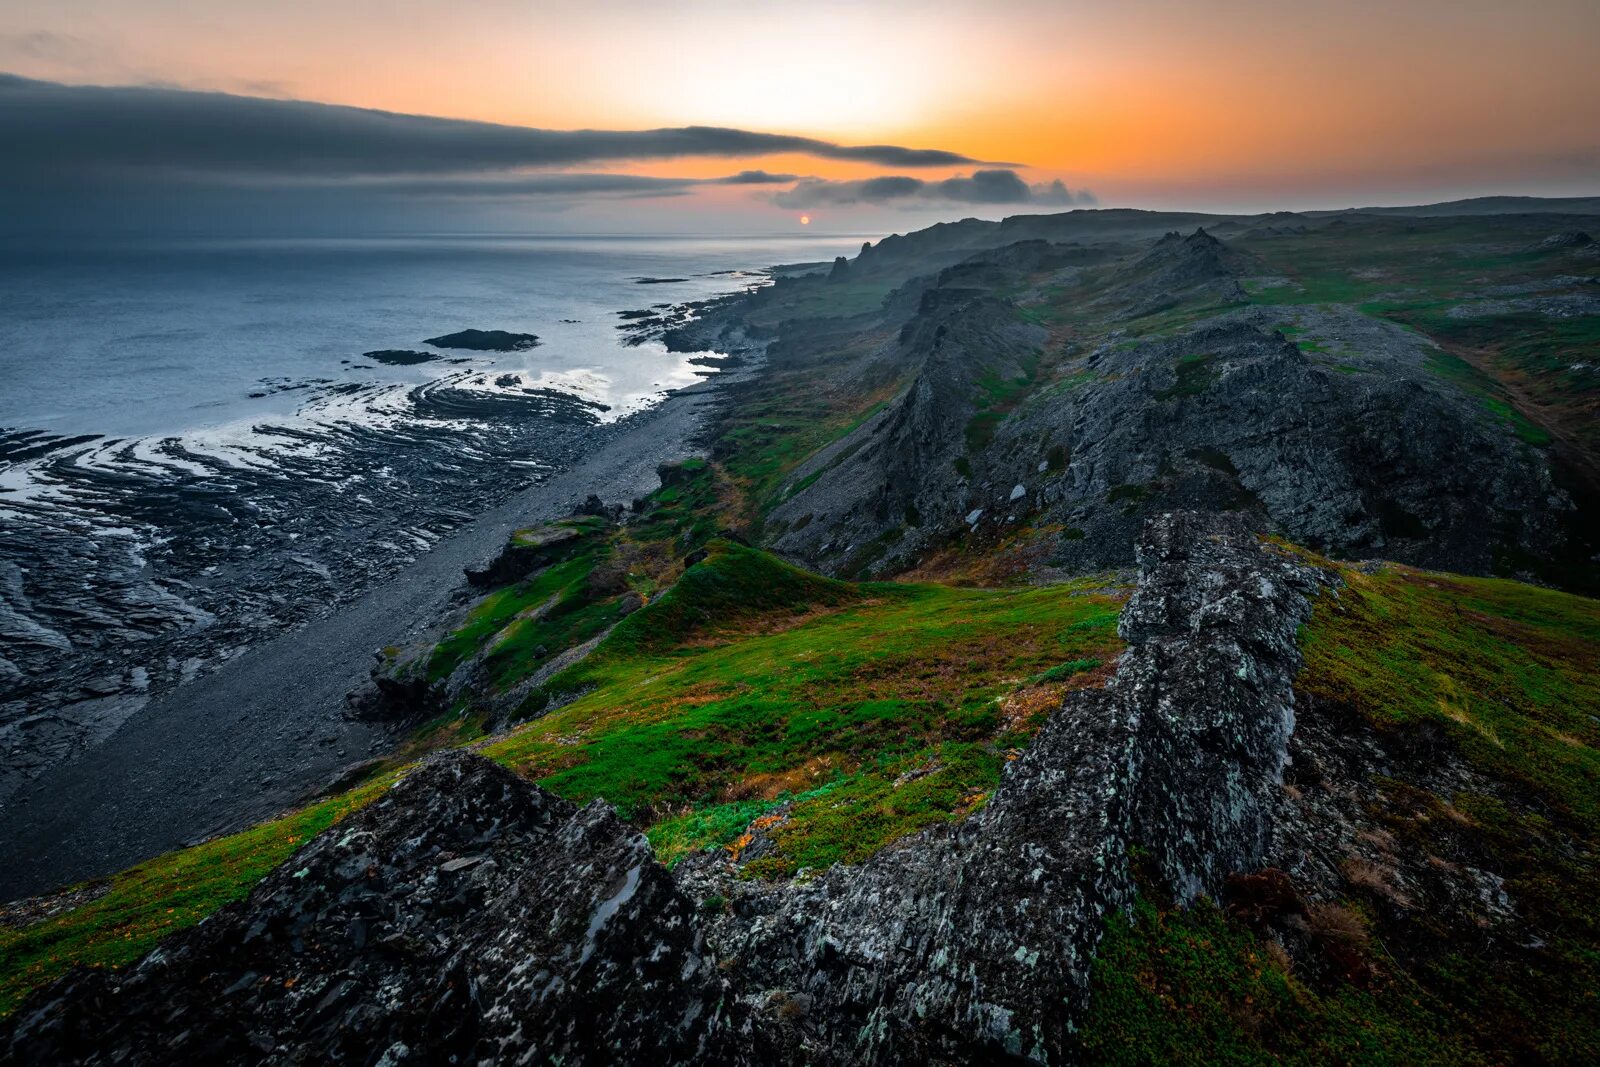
[513,923]
[208,616]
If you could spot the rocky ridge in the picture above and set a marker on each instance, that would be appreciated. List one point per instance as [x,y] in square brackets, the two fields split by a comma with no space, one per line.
[1364,452]
[469,914]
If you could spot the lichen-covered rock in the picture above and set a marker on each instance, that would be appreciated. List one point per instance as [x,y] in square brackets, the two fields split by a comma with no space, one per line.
[976,942]
[471,917]
[905,462]
[468,916]
[1359,443]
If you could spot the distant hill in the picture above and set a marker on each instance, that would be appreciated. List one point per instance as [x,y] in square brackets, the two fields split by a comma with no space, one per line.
[1487,205]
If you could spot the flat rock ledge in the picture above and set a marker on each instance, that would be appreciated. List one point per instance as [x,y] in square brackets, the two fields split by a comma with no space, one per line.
[470,916]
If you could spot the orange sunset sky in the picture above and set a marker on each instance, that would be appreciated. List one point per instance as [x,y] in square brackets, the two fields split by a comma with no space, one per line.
[1155,103]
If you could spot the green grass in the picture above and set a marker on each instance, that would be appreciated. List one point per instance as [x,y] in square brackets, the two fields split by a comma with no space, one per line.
[685,511]
[1062,671]
[1192,988]
[504,615]
[865,711]
[1457,370]
[1506,669]
[1508,672]
[815,298]
[166,894]
[1552,360]
[754,681]
[996,397]
[765,437]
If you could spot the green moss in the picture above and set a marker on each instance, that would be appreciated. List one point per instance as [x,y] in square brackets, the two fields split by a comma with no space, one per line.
[1506,669]
[684,511]
[1506,672]
[996,397]
[1191,987]
[731,586]
[1193,375]
[894,796]
[1131,497]
[753,684]
[1062,671]
[512,616]
[1457,370]
[766,436]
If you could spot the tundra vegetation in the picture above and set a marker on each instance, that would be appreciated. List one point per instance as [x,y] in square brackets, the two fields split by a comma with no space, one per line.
[735,667]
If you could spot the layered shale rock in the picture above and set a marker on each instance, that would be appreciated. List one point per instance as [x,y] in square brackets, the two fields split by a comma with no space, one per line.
[470,916]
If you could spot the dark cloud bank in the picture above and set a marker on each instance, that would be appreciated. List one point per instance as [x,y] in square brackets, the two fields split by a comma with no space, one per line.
[94,158]
[981,187]
[171,129]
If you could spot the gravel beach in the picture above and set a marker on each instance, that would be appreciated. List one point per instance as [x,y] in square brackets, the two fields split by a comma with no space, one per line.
[269,727]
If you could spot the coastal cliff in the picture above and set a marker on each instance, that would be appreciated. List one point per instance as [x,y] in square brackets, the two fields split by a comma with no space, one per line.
[1080,642]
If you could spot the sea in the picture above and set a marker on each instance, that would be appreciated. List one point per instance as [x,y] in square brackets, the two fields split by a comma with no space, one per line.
[180,337]
[197,450]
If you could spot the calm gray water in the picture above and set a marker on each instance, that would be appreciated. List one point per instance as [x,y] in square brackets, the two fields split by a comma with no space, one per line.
[172,338]
[196,456]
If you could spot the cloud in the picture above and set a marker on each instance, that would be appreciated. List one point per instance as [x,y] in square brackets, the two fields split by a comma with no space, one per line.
[53,130]
[980,187]
[564,184]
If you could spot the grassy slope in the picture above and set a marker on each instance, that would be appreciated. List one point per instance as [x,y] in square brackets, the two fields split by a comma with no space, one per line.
[1508,671]
[1413,273]
[840,717]
[865,711]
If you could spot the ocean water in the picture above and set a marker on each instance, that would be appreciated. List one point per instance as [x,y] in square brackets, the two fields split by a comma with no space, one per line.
[171,339]
[195,455]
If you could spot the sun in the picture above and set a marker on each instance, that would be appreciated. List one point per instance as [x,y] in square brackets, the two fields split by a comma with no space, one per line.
[805,220]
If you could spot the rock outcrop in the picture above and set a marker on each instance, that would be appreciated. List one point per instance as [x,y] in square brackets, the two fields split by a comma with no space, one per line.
[904,463]
[485,341]
[1175,269]
[470,916]
[1360,447]
[976,942]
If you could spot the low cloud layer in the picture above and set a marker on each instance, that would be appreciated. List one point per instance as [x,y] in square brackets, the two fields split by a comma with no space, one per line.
[50,130]
[90,159]
[566,184]
[980,187]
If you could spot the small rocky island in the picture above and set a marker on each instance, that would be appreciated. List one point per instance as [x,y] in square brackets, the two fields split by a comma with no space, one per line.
[401,357]
[485,341]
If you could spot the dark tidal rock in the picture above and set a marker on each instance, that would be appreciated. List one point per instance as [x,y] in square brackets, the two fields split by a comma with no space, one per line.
[485,341]
[400,357]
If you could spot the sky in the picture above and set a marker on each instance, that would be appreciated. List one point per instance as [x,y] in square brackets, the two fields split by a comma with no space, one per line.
[751,116]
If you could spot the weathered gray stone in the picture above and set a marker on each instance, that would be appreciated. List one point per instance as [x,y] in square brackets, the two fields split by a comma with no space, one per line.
[470,916]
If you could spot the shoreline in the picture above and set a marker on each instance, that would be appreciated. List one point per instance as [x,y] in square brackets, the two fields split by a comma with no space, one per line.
[268,728]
